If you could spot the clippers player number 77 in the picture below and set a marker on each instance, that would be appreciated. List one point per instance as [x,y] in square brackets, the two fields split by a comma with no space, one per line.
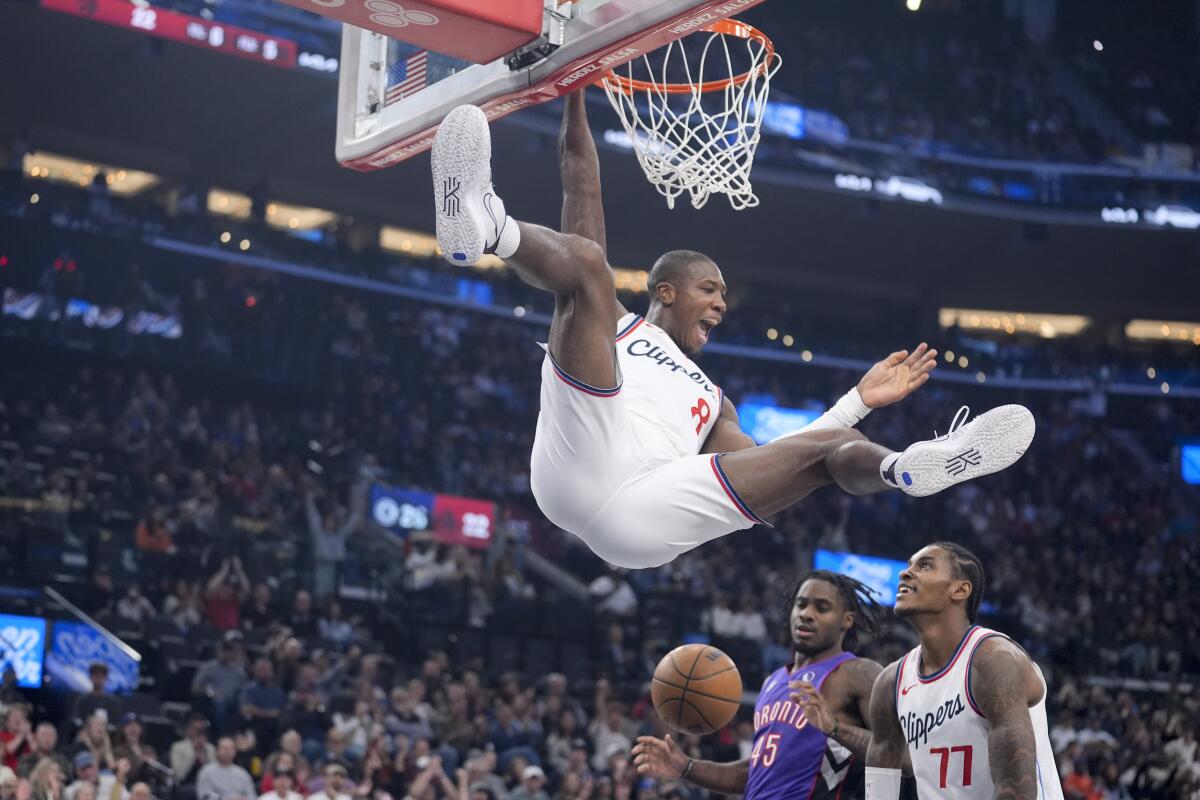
[967,705]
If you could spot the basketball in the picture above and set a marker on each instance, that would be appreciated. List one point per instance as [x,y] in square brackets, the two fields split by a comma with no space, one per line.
[696,689]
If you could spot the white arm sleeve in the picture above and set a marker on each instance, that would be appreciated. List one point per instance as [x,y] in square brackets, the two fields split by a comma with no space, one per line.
[882,783]
[845,413]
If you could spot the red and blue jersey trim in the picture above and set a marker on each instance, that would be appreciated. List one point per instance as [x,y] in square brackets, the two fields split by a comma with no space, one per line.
[630,328]
[587,388]
[575,383]
[953,660]
[581,386]
[900,676]
[732,494]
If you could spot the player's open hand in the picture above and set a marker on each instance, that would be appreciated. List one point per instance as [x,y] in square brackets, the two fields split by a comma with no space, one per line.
[816,710]
[660,758]
[897,376]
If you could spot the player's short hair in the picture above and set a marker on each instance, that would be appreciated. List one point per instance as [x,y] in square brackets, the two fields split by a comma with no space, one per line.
[966,566]
[673,267]
[870,618]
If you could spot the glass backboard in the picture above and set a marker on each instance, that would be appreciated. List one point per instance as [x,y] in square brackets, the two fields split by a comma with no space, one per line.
[393,95]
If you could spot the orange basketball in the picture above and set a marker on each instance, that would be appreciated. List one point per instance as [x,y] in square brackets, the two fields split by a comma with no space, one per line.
[696,689]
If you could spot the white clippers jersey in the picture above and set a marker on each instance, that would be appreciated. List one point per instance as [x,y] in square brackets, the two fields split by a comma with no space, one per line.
[672,403]
[948,735]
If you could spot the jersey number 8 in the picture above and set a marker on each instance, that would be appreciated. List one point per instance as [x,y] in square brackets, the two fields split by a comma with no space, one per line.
[702,412]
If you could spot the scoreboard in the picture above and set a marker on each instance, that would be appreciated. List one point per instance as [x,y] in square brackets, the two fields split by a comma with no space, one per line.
[209,34]
[452,519]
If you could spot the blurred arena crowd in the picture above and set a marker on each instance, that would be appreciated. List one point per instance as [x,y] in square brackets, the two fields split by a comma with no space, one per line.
[214,486]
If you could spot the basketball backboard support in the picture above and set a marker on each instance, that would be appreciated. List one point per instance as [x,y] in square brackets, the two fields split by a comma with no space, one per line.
[393,95]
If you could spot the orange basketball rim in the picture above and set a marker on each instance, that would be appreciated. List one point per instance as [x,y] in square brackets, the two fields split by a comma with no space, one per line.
[726,27]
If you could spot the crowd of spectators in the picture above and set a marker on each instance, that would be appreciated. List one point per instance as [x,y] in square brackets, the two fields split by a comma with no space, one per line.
[1147,73]
[216,488]
[967,82]
[1090,562]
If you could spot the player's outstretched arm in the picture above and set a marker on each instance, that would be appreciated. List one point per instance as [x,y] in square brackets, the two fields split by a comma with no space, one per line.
[579,166]
[1001,675]
[662,758]
[885,753]
[887,382]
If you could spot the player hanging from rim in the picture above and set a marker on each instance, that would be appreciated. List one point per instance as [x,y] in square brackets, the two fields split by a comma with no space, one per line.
[810,719]
[967,706]
[637,452]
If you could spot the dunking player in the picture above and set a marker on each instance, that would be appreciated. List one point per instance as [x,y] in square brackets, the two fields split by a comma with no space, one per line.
[968,705]
[810,720]
[617,453]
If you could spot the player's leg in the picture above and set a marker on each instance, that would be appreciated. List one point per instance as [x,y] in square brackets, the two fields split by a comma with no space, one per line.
[472,221]
[670,509]
[585,300]
[774,476]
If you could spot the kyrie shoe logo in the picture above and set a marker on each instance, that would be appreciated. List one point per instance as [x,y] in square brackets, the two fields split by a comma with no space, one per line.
[450,188]
[957,465]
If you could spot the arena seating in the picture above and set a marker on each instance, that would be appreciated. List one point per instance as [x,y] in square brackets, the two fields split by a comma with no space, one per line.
[181,466]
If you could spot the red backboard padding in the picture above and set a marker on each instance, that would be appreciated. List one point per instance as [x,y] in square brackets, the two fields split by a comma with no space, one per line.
[469,29]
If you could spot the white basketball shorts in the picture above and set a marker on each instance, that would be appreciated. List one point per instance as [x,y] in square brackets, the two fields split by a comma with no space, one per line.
[591,475]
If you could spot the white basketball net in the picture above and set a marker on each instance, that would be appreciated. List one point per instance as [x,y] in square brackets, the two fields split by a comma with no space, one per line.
[699,142]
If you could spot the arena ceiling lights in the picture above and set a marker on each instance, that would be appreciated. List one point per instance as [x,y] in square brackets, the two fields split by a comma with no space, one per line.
[299,218]
[1048,326]
[56,168]
[226,203]
[417,244]
[424,245]
[1163,330]
[408,242]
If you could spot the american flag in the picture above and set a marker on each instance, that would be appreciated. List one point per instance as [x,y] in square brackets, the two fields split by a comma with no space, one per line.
[406,77]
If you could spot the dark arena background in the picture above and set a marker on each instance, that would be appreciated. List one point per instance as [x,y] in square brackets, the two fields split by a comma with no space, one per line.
[264,455]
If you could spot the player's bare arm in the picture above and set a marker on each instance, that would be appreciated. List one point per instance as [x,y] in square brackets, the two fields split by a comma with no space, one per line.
[1004,686]
[841,709]
[579,167]
[887,749]
[727,435]
[662,758]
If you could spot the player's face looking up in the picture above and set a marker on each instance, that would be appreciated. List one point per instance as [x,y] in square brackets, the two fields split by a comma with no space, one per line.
[927,584]
[819,617]
[694,304]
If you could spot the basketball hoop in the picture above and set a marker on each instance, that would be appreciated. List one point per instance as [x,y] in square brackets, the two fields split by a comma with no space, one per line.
[683,143]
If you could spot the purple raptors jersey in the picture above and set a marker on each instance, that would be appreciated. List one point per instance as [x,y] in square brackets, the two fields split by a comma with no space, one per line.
[791,759]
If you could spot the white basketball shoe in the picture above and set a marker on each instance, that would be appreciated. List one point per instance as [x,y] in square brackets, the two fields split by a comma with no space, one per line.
[986,444]
[471,219]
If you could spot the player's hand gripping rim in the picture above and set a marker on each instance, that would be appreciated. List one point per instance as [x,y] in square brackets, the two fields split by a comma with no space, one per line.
[660,758]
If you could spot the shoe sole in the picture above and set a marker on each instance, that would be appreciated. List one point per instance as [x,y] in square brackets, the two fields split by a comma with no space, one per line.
[995,441]
[462,160]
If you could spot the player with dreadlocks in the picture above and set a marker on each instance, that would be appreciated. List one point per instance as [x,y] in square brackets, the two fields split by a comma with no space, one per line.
[810,720]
